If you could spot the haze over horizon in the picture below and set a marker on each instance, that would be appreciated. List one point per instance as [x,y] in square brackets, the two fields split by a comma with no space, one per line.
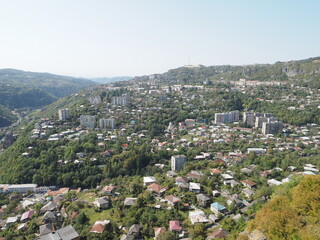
[99,38]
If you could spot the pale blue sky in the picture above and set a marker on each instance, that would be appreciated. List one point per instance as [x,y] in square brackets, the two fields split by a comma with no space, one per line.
[97,38]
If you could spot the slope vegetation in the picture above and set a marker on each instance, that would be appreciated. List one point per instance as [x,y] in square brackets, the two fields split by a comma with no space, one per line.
[56,85]
[302,70]
[292,213]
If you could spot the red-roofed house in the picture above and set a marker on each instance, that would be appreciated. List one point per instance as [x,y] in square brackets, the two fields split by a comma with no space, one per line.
[172,199]
[156,188]
[175,226]
[97,228]
[26,216]
[215,171]
[109,189]
[248,183]
[125,146]
[219,161]
[265,173]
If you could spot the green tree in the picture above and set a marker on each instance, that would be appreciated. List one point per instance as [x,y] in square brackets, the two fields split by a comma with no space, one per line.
[82,219]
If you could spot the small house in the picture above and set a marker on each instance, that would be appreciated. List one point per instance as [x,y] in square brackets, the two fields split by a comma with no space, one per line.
[203,200]
[102,203]
[175,226]
[217,208]
[194,187]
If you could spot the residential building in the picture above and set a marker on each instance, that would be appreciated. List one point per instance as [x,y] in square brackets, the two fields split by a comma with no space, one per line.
[149,180]
[259,121]
[248,183]
[175,226]
[194,187]
[102,203]
[190,122]
[50,206]
[226,117]
[156,188]
[88,121]
[122,100]
[66,233]
[45,229]
[250,118]
[107,123]
[247,192]
[64,114]
[198,216]
[272,127]
[109,189]
[217,208]
[95,100]
[178,162]
[130,201]
[99,226]
[21,188]
[27,216]
[49,217]
[257,150]
[172,199]
[203,200]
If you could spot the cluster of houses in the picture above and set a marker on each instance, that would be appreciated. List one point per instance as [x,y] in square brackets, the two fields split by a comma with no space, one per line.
[232,189]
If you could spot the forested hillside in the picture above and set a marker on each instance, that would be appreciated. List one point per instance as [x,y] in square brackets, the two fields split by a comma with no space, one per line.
[56,85]
[6,117]
[29,90]
[15,97]
[231,169]
[292,213]
[302,70]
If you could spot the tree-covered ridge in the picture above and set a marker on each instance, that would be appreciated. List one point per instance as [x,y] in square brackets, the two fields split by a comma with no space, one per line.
[18,97]
[28,90]
[292,213]
[22,98]
[150,129]
[6,117]
[56,85]
[308,69]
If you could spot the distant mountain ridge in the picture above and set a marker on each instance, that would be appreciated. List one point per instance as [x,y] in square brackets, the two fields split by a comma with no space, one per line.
[56,85]
[21,89]
[105,80]
[306,70]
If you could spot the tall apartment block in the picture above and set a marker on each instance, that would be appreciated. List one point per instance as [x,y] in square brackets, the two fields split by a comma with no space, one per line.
[88,121]
[122,100]
[251,118]
[107,123]
[177,162]
[226,117]
[272,127]
[64,114]
[94,100]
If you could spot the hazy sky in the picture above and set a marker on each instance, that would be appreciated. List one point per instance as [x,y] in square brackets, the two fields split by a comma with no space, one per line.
[97,38]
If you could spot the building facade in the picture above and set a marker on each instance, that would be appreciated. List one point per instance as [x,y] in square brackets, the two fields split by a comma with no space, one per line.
[94,100]
[272,127]
[122,100]
[178,162]
[64,114]
[250,118]
[88,121]
[107,123]
[226,117]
